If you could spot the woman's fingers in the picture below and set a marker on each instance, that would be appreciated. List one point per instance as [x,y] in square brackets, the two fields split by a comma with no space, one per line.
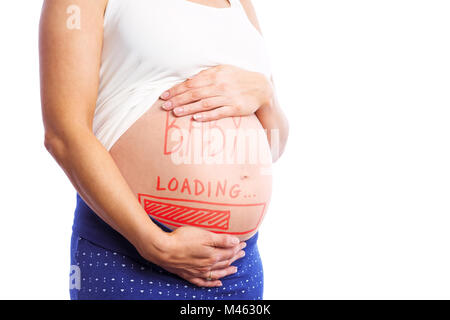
[230,253]
[195,278]
[239,255]
[223,240]
[225,263]
[222,258]
[214,274]
[201,282]
[197,81]
[216,114]
[200,106]
[190,96]
[220,273]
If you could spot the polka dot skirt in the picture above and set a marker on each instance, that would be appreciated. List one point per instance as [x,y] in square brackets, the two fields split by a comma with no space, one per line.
[98,273]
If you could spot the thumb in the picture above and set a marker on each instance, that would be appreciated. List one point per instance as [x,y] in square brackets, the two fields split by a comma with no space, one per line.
[225,240]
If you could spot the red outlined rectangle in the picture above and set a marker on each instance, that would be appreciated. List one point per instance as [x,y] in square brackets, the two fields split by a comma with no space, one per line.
[213,216]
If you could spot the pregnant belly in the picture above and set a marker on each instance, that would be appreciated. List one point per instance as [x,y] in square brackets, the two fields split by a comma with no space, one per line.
[213,175]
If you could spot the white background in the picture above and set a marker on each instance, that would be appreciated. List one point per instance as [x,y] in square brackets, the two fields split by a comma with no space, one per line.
[361,202]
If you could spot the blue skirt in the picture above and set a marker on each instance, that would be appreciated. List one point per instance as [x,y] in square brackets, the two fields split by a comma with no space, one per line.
[100,273]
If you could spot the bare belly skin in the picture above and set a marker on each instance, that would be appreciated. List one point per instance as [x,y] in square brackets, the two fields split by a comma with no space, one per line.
[212,175]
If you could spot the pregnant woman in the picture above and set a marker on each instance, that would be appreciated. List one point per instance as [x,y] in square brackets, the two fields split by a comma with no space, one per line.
[163,115]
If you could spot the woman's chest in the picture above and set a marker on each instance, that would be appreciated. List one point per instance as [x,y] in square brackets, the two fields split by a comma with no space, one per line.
[178,37]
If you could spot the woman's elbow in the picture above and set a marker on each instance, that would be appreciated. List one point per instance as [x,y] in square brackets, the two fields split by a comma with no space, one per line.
[55,145]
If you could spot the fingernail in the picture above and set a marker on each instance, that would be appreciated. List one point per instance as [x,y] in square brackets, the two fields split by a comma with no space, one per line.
[220,284]
[235,240]
[165,94]
[167,104]
[178,110]
[242,254]
[244,244]
[197,116]
[234,269]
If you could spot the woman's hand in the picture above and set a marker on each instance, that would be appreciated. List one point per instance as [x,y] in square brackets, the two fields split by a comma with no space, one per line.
[195,255]
[219,92]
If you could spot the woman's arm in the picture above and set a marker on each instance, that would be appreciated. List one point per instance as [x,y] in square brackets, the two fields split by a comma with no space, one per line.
[70,61]
[274,120]
[270,114]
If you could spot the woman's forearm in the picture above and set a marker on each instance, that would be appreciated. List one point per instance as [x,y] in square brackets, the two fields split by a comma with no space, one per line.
[270,114]
[99,182]
[70,61]
[274,121]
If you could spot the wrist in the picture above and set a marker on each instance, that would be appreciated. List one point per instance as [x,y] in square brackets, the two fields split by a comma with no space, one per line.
[152,243]
[267,95]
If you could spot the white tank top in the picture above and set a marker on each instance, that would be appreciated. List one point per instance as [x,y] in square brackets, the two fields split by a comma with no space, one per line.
[151,45]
